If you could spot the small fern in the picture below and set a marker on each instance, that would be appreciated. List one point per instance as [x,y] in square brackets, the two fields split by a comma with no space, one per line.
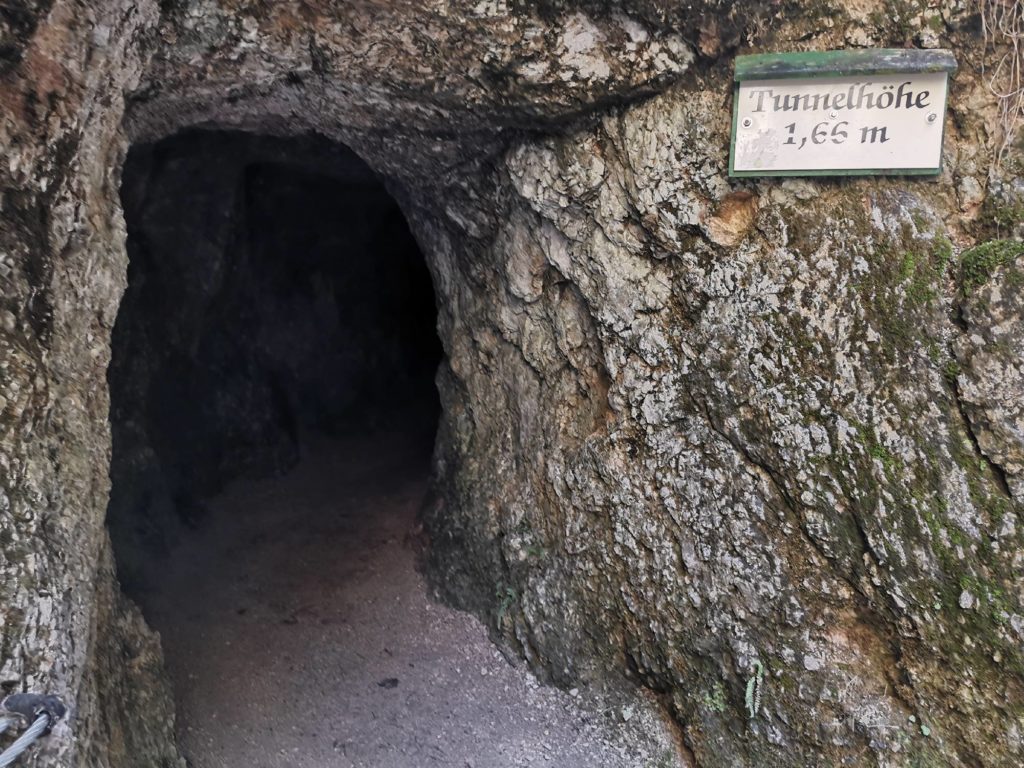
[507,597]
[754,685]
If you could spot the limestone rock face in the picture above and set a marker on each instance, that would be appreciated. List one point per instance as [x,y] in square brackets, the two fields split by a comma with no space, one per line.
[64,68]
[782,477]
[993,375]
[750,444]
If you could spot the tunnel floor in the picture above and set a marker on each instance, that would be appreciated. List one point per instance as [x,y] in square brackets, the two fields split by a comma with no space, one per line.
[298,632]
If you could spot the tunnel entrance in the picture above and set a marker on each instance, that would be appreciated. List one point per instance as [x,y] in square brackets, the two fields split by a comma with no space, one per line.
[275,296]
[273,412]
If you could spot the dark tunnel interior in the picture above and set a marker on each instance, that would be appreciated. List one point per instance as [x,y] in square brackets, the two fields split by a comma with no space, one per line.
[275,293]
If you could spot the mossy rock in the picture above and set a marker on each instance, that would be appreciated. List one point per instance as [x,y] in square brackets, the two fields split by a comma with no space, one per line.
[978,263]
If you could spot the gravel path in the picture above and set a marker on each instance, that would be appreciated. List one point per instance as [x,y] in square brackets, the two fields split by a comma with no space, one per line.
[299,633]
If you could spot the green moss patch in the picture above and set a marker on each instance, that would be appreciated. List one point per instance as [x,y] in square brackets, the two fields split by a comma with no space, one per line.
[978,263]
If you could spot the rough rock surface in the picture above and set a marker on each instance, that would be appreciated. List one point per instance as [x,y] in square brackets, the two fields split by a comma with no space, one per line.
[991,352]
[65,628]
[702,431]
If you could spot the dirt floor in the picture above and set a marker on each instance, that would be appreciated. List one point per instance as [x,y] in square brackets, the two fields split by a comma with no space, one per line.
[298,633]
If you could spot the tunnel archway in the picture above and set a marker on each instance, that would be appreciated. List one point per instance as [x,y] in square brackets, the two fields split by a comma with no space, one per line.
[272,411]
[275,293]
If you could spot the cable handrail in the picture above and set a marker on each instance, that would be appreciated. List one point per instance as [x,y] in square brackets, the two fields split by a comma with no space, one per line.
[42,711]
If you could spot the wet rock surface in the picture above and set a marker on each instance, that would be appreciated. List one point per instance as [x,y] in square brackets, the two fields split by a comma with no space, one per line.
[693,428]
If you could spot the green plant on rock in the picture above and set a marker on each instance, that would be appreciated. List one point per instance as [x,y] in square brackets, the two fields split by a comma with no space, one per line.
[922,269]
[951,370]
[978,263]
[991,599]
[942,253]
[714,700]
[535,551]
[880,452]
[869,439]
[753,693]
[507,597]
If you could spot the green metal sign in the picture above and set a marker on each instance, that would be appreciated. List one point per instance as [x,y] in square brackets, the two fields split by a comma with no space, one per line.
[839,113]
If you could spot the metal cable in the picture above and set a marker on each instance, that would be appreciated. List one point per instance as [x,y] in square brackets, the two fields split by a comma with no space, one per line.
[25,741]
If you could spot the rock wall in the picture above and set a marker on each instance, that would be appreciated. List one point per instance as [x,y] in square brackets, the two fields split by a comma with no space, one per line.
[65,629]
[793,472]
[746,442]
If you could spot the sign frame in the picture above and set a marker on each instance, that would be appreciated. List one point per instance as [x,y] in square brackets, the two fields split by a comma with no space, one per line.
[832,64]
